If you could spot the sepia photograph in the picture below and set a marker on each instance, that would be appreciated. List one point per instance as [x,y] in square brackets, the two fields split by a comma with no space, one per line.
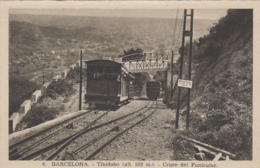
[138,84]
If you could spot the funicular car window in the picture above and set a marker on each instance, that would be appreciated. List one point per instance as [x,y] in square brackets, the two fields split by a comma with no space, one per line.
[103,72]
[111,72]
[90,72]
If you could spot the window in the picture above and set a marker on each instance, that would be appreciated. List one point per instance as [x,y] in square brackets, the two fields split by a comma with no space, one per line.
[103,72]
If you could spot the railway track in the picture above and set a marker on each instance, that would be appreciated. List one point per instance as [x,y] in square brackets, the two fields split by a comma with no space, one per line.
[51,151]
[90,149]
[38,134]
[124,128]
[21,147]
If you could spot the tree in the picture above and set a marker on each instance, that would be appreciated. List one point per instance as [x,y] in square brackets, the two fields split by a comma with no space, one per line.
[133,51]
[132,54]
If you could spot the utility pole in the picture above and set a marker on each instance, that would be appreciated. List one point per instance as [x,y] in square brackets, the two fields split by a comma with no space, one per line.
[172,74]
[186,33]
[80,83]
[43,76]
[190,54]
[43,73]
[180,73]
[128,85]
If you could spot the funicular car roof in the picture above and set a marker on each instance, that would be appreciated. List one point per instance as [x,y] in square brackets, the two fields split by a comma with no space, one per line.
[103,63]
[109,63]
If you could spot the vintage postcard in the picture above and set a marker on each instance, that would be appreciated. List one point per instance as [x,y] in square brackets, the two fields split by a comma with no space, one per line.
[129,84]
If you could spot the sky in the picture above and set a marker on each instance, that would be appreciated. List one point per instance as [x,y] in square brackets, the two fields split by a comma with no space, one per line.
[213,14]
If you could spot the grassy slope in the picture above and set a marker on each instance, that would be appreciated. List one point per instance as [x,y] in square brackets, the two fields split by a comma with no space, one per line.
[222,89]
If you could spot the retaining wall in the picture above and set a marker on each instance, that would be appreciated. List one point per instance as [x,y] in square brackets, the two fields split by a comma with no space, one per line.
[64,73]
[13,121]
[45,86]
[36,95]
[25,107]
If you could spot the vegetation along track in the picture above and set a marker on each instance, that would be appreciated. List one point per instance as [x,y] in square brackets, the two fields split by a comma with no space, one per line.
[51,151]
[90,149]
[211,153]
[22,147]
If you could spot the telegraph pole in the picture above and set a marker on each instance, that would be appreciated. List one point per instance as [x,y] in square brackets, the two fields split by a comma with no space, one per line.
[185,83]
[172,74]
[80,83]
[128,84]
[180,73]
[43,73]
[43,76]
[190,54]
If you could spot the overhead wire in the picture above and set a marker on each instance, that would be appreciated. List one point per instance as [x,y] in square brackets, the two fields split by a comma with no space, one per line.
[175,24]
[178,40]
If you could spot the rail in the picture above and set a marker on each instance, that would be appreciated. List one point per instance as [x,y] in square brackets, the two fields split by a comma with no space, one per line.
[117,135]
[61,144]
[19,143]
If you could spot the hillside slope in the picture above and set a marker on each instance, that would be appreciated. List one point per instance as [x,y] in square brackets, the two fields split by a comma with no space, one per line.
[26,40]
[29,34]
[221,97]
[25,89]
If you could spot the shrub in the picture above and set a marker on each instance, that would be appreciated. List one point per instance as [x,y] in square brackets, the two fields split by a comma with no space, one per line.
[183,150]
[40,114]
[60,87]
[74,75]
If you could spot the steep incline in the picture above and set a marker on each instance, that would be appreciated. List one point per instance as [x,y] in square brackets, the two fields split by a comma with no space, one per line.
[222,85]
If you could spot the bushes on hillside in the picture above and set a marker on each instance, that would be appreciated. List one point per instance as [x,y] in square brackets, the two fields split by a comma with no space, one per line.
[74,75]
[41,114]
[224,123]
[238,21]
[228,132]
[60,87]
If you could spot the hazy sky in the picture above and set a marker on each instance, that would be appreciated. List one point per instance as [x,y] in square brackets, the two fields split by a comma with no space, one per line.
[151,13]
